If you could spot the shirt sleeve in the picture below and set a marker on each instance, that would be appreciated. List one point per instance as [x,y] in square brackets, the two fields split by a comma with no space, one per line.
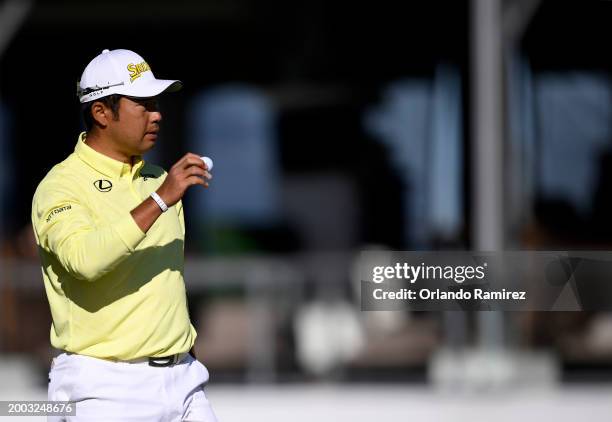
[65,227]
[179,205]
[181,215]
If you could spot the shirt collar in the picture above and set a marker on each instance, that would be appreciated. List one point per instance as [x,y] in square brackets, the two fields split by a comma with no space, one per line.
[103,164]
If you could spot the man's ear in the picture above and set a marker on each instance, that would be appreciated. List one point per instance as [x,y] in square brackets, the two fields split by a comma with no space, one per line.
[100,113]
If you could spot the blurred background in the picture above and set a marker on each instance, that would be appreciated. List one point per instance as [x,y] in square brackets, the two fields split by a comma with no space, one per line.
[339,127]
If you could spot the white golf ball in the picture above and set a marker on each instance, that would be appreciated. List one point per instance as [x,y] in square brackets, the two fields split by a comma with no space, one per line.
[208,162]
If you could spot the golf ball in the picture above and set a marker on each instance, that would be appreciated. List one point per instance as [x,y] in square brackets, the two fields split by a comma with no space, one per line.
[208,162]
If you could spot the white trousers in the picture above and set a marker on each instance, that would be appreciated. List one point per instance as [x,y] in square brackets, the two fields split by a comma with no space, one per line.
[124,392]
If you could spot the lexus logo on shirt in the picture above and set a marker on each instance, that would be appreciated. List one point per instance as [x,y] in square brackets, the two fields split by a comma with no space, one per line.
[103,185]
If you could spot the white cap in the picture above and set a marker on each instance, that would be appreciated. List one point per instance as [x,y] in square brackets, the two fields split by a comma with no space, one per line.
[121,72]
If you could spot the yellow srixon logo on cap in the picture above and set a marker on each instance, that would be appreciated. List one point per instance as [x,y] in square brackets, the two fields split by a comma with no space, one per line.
[137,69]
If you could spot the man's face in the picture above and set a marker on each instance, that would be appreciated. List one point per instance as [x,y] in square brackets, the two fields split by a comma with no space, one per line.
[135,131]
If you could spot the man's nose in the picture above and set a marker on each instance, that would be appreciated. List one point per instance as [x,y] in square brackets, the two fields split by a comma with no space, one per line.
[156,116]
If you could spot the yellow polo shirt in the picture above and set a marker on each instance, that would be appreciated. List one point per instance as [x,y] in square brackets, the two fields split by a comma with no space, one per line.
[114,291]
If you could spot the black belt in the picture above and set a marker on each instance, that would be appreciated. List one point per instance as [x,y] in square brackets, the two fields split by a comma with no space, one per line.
[166,360]
[158,362]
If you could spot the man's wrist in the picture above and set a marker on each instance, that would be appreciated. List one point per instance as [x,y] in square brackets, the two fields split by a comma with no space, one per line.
[159,201]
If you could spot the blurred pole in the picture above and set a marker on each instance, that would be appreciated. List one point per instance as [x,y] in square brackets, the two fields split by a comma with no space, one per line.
[487,146]
[262,333]
[452,367]
[487,182]
[517,15]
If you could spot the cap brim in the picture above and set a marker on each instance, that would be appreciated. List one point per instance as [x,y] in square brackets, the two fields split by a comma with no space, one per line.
[151,88]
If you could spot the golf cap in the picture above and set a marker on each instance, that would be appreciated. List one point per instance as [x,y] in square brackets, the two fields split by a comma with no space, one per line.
[121,72]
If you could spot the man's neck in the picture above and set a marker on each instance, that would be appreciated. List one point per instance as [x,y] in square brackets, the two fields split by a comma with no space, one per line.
[104,146]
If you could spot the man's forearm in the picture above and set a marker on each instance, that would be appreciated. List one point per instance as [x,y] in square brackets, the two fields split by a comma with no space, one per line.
[146,213]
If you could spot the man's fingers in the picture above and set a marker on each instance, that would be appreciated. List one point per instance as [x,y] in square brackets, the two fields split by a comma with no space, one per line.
[193,158]
[196,180]
[193,161]
[192,155]
[188,171]
[197,171]
[189,159]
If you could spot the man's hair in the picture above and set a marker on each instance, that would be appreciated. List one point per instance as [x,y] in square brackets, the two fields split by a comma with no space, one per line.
[111,101]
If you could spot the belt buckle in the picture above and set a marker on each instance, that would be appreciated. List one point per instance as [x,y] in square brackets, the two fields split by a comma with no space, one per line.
[163,361]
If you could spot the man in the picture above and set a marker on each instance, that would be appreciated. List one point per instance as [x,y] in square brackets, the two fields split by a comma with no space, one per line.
[110,232]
